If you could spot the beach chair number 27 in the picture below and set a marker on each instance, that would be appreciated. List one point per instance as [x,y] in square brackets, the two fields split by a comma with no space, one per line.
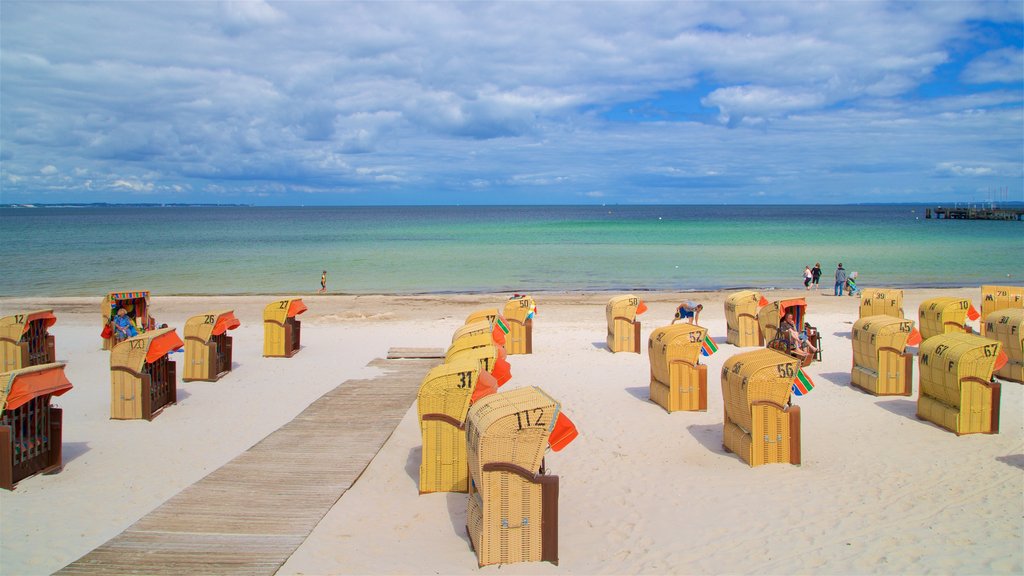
[532,418]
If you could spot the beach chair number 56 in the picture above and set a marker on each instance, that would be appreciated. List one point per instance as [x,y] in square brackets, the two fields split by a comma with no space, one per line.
[531,418]
[785,370]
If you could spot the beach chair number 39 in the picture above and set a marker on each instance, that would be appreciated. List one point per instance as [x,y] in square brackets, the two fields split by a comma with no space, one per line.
[531,418]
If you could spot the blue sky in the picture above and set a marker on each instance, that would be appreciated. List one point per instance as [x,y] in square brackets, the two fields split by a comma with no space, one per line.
[283,103]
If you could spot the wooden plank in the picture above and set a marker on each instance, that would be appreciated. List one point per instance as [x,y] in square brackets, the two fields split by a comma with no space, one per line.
[249,516]
[415,353]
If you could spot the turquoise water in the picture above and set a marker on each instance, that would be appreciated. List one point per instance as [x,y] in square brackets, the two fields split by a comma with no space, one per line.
[401,250]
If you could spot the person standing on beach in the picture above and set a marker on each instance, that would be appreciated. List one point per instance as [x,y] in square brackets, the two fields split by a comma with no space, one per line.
[323,282]
[808,276]
[815,274]
[840,279]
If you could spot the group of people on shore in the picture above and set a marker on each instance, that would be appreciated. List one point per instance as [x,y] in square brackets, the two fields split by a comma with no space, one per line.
[845,281]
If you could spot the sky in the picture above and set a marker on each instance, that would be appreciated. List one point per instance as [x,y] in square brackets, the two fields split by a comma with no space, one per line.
[383,103]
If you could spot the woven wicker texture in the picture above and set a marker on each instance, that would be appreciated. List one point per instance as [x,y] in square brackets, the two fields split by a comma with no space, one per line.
[491,358]
[994,298]
[505,515]
[623,327]
[955,390]
[876,301]
[441,404]
[199,354]
[677,382]
[741,319]
[519,313]
[127,373]
[943,315]
[1007,326]
[25,340]
[472,329]
[280,326]
[469,342]
[760,426]
[488,314]
[769,317]
[880,364]
[138,300]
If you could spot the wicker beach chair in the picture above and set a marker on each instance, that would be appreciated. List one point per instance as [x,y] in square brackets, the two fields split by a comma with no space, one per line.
[490,357]
[881,365]
[488,314]
[208,345]
[623,327]
[955,380]
[30,428]
[282,331]
[442,403]
[136,303]
[678,380]
[995,298]
[480,327]
[741,324]
[143,379]
[944,315]
[887,301]
[512,515]
[1007,327]
[770,317]
[519,313]
[26,341]
[761,427]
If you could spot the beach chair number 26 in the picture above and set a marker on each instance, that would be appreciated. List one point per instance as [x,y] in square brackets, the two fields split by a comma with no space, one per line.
[531,418]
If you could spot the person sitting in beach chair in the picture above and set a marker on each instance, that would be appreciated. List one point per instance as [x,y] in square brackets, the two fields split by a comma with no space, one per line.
[797,342]
[124,328]
[689,310]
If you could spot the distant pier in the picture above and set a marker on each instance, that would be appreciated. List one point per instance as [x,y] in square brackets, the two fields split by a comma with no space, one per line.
[975,213]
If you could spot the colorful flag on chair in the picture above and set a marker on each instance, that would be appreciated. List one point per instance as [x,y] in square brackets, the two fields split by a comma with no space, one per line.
[708,347]
[802,384]
[972,314]
[500,322]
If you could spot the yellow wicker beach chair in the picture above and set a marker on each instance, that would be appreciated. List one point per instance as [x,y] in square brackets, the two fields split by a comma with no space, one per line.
[678,380]
[30,429]
[490,357]
[25,340]
[944,315]
[512,514]
[761,427]
[442,402]
[887,301]
[881,365]
[623,327]
[136,303]
[995,298]
[956,387]
[519,313]
[488,314]
[282,331]
[208,346]
[143,379]
[741,318]
[1007,327]
[472,329]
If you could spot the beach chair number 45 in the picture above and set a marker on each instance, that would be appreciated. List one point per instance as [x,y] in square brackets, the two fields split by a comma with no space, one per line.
[531,418]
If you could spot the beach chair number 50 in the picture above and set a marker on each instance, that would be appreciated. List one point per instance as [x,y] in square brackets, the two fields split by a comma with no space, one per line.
[537,415]
[785,370]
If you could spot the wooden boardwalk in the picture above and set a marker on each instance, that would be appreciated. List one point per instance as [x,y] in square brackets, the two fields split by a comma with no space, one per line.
[249,516]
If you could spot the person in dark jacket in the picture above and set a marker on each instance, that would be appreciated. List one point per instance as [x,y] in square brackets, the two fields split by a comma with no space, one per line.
[840,279]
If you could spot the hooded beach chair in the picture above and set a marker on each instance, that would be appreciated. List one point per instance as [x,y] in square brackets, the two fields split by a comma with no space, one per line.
[995,298]
[1007,327]
[761,427]
[944,315]
[741,324]
[30,429]
[135,303]
[881,364]
[488,314]
[519,313]
[443,400]
[208,345]
[478,327]
[143,379]
[623,327]
[490,357]
[770,317]
[875,301]
[26,341]
[512,514]
[678,380]
[282,331]
[955,380]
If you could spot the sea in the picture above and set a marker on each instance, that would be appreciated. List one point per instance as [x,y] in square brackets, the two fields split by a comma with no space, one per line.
[89,251]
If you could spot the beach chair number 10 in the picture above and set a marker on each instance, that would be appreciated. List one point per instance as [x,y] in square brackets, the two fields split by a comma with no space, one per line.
[537,417]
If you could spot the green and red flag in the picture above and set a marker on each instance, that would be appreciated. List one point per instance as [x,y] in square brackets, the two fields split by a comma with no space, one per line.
[802,384]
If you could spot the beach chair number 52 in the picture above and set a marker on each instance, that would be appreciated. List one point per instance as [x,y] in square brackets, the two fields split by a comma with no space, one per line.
[532,418]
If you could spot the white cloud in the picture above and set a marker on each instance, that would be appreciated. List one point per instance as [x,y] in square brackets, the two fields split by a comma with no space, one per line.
[48,170]
[1004,65]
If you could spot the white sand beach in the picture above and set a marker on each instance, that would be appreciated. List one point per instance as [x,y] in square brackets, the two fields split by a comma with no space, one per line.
[642,491]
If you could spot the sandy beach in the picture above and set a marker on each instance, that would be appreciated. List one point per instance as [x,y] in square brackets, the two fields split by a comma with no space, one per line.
[642,491]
